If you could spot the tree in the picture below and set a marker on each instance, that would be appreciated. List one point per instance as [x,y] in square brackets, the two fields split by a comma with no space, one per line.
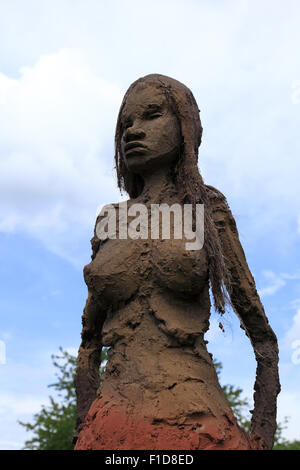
[239,406]
[235,400]
[280,443]
[54,425]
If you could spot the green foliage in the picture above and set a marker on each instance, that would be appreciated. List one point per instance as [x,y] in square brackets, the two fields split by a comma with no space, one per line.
[280,443]
[239,406]
[287,445]
[53,426]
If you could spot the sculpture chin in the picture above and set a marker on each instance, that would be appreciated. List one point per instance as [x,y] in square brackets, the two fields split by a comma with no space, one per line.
[139,160]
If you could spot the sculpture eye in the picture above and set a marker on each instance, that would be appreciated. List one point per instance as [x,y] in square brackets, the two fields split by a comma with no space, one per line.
[154,115]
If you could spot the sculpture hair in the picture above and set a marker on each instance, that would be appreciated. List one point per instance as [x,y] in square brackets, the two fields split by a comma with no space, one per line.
[188,181]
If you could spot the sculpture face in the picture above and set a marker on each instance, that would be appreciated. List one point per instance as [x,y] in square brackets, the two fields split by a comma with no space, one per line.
[151,137]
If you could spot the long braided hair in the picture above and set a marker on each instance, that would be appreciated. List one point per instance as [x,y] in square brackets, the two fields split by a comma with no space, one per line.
[188,181]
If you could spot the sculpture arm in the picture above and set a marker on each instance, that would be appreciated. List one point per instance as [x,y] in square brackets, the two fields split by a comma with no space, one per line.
[247,305]
[87,379]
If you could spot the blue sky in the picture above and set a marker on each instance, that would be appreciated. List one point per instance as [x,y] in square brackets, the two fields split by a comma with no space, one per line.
[64,67]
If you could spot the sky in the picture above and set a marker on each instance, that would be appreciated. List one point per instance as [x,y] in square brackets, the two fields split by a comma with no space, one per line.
[64,68]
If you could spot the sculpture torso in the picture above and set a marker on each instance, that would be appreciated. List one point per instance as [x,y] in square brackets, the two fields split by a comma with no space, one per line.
[156,297]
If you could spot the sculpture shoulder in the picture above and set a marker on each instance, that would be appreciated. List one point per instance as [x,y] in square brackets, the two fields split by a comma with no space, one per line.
[220,210]
[104,212]
[216,198]
[95,241]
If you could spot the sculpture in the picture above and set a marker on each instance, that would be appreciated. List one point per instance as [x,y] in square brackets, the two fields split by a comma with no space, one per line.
[149,300]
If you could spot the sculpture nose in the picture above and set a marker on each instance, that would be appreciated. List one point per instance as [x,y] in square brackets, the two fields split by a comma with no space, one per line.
[134,133]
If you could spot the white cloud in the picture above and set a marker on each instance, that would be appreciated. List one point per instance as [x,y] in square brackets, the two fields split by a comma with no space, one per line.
[293,334]
[15,407]
[274,283]
[291,276]
[57,117]
[24,390]
[56,154]
[20,405]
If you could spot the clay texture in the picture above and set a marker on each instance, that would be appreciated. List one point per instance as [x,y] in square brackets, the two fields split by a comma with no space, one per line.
[149,302]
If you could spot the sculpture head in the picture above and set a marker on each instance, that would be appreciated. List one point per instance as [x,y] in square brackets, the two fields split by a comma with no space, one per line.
[151,136]
[158,124]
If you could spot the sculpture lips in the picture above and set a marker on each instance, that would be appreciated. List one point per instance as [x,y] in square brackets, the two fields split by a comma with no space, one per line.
[133,147]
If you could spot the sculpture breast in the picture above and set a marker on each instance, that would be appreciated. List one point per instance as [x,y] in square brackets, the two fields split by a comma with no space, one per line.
[122,267]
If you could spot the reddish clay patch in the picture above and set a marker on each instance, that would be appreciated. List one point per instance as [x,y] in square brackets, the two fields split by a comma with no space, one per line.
[109,428]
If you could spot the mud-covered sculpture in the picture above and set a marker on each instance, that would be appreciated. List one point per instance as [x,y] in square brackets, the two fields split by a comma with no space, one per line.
[148,300]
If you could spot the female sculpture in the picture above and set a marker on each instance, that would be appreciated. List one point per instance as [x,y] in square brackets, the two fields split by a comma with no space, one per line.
[149,300]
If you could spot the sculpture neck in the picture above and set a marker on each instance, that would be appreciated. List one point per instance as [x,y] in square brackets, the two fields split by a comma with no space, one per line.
[156,182]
